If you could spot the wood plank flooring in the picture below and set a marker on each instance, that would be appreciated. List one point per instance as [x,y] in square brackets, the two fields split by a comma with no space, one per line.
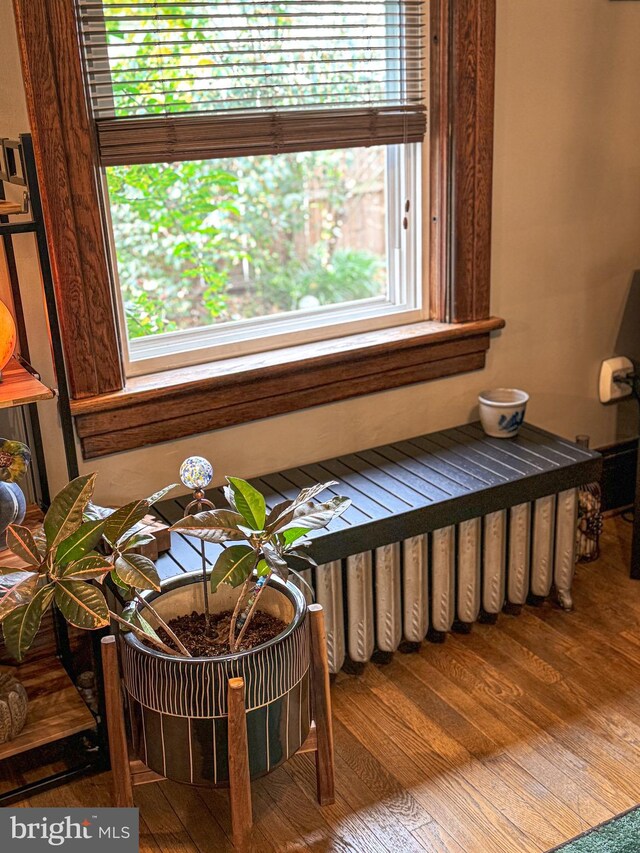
[508,740]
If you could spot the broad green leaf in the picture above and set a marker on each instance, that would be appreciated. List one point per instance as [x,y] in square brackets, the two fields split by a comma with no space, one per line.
[120,583]
[132,615]
[20,540]
[21,625]
[305,497]
[87,568]
[82,604]
[275,561]
[312,492]
[136,541]
[93,512]
[157,496]
[228,496]
[249,503]
[216,525]
[16,589]
[41,541]
[275,513]
[233,566]
[83,540]
[262,569]
[64,516]
[12,570]
[304,582]
[314,516]
[124,519]
[302,555]
[138,571]
[292,534]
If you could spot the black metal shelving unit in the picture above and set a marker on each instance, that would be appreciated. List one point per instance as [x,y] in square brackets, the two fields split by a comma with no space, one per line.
[18,169]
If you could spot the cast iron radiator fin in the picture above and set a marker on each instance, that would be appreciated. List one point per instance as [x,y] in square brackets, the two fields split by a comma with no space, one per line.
[453,574]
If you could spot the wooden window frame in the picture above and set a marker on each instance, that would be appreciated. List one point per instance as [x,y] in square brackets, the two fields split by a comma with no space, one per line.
[114,414]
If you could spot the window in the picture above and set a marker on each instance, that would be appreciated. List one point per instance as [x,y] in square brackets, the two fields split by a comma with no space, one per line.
[95,120]
[249,251]
[242,254]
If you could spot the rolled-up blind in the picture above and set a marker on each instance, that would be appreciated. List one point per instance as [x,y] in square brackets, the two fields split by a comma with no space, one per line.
[191,80]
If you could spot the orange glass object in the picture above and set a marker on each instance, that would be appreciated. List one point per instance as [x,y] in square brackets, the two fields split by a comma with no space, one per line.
[7,335]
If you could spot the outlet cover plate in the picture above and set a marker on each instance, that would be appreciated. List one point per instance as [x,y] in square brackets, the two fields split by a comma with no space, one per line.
[609,389]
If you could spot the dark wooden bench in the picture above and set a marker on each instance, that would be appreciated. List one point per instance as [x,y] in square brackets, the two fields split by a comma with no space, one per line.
[443,527]
[410,487]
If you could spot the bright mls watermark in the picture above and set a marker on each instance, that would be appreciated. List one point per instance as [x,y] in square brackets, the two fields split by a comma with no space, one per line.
[37,830]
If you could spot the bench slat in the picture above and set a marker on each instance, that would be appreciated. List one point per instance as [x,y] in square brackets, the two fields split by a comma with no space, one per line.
[456,469]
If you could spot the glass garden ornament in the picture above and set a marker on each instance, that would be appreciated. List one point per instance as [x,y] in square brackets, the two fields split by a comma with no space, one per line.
[196,473]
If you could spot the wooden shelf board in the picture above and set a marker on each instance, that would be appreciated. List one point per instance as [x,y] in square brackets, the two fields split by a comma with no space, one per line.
[9,207]
[56,709]
[18,387]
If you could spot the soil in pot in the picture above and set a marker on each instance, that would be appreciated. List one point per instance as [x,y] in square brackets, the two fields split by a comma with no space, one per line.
[191,630]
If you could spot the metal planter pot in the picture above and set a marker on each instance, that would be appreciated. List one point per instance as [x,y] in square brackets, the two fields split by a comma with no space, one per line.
[178,706]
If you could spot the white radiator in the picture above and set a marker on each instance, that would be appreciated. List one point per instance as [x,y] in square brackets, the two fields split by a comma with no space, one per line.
[377,599]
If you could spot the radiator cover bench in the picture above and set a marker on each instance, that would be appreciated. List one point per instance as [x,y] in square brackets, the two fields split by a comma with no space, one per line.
[442,527]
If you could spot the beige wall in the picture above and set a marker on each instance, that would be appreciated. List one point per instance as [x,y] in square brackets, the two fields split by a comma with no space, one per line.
[566,240]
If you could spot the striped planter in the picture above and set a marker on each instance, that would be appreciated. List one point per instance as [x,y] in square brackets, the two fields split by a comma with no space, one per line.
[178,706]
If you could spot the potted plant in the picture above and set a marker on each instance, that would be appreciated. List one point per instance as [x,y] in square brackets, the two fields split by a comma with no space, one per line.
[176,661]
[63,566]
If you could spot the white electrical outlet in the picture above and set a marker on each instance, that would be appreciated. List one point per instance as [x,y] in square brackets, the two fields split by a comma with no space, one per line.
[612,370]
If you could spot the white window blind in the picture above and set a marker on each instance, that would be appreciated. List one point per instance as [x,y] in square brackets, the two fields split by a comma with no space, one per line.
[192,80]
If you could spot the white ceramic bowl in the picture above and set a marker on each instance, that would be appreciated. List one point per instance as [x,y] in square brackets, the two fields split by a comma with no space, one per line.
[502,411]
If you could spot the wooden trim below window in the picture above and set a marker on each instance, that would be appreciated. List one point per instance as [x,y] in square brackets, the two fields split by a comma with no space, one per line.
[178,403]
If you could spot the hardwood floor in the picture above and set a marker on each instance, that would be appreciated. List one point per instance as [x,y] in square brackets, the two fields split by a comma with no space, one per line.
[511,739]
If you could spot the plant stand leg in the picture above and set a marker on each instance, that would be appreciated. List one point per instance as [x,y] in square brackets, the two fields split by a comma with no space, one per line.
[118,751]
[321,706]
[239,779]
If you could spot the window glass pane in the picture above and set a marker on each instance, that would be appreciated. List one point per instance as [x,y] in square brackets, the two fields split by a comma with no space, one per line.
[203,243]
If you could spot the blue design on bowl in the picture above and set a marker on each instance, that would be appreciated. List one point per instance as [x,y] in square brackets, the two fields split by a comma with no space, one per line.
[511,423]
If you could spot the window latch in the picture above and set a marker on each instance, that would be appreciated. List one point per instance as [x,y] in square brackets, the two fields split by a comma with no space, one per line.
[405,221]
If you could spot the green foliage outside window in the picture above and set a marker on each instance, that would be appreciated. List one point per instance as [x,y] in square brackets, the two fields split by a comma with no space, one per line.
[205,242]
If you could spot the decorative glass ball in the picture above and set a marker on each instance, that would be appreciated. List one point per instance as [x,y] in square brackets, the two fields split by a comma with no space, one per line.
[196,472]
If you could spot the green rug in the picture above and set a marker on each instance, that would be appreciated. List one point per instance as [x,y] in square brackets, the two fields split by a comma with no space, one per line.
[621,834]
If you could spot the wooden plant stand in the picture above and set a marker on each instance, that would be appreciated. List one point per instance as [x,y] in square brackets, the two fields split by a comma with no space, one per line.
[128,772]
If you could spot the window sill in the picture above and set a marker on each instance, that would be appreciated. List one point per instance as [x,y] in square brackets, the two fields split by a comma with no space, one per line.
[178,403]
